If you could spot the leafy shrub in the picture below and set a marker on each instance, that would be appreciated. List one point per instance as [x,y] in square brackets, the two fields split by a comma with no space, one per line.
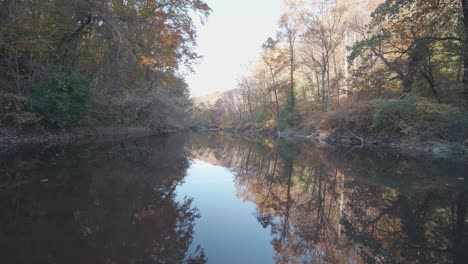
[249,126]
[356,117]
[417,117]
[431,111]
[21,120]
[12,103]
[393,116]
[262,116]
[289,116]
[452,128]
[271,124]
[13,112]
[63,99]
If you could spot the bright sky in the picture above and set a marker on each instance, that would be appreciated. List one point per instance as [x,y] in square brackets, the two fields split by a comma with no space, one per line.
[231,41]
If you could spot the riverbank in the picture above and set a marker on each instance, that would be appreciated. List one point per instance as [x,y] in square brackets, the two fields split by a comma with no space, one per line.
[69,135]
[344,138]
[415,125]
[18,125]
[345,141]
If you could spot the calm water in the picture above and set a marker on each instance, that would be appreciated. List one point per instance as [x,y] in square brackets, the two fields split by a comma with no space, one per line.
[220,199]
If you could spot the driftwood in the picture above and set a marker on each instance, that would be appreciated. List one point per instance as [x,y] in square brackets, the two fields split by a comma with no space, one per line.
[356,137]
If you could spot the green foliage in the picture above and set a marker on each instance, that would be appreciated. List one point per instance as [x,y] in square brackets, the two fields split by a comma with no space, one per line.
[289,116]
[263,115]
[136,74]
[393,115]
[452,128]
[422,117]
[361,46]
[63,99]
[389,9]
[431,111]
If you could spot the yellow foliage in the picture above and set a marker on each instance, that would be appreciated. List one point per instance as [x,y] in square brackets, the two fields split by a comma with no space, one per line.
[271,124]
[430,110]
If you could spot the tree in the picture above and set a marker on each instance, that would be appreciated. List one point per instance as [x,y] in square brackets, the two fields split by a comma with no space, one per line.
[290,28]
[464,6]
[404,34]
[272,58]
[131,52]
[323,36]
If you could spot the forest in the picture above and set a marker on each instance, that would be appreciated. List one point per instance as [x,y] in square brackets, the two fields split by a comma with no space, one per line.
[360,69]
[97,63]
[344,141]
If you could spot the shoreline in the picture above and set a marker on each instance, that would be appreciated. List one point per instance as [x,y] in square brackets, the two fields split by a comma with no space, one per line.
[73,135]
[433,149]
[411,146]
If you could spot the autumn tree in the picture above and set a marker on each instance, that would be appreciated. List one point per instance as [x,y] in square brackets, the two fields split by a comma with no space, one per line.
[406,35]
[290,24]
[131,51]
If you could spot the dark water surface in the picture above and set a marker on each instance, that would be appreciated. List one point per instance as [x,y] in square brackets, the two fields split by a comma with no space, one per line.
[220,199]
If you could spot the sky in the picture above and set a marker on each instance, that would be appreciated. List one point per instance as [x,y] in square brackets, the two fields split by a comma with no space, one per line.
[230,42]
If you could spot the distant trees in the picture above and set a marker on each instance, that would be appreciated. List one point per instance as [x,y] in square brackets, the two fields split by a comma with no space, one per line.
[290,24]
[321,40]
[307,58]
[330,53]
[271,58]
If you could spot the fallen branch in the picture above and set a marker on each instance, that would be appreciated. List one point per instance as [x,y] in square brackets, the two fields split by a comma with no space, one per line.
[360,138]
[8,135]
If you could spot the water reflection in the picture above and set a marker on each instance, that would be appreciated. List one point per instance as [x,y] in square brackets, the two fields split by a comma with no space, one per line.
[348,207]
[111,203]
[117,203]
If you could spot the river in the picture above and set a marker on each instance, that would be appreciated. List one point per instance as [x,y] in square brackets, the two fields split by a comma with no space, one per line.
[214,198]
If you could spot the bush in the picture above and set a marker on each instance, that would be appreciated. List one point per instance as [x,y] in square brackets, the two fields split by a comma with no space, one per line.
[12,103]
[290,117]
[422,117]
[356,117]
[271,124]
[262,116]
[13,112]
[452,128]
[414,117]
[393,116]
[431,111]
[249,126]
[21,120]
[63,99]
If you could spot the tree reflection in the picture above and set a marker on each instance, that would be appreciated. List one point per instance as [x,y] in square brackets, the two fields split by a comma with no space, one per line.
[341,207]
[112,203]
[115,203]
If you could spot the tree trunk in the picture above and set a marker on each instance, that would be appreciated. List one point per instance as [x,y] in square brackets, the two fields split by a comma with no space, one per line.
[328,82]
[465,51]
[346,66]
[250,104]
[276,93]
[292,76]
[318,85]
[324,106]
[337,82]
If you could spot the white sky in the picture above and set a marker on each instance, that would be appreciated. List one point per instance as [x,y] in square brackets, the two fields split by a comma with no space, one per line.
[231,41]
